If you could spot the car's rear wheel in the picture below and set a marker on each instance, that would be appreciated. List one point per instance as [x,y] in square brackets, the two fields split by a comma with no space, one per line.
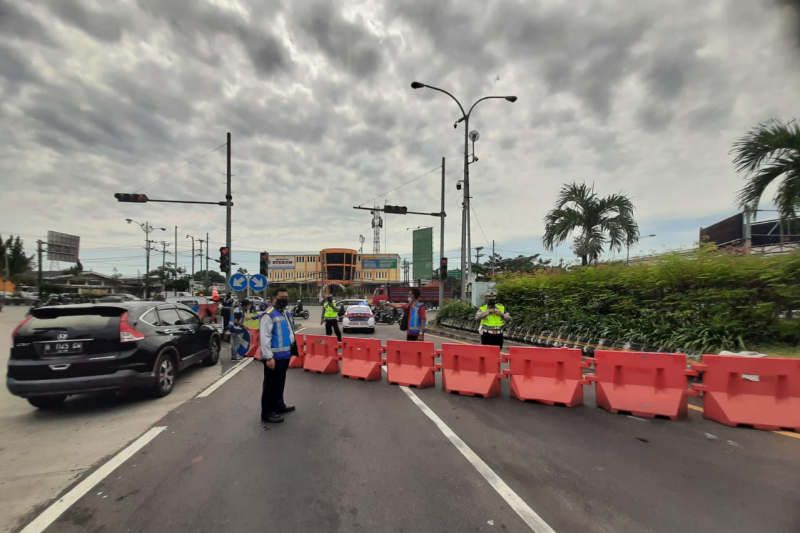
[166,371]
[48,402]
[213,352]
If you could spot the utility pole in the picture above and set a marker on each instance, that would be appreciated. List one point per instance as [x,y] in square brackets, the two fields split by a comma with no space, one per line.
[192,237]
[229,204]
[406,266]
[39,266]
[478,255]
[175,278]
[442,277]
[8,274]
[164,245]
[494,259]
[208,248]
[200,254]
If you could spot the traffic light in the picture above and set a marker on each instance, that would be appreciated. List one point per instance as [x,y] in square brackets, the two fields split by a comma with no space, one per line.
[443,268]
[224,259]
[264,264]
[396,209]
[137,198]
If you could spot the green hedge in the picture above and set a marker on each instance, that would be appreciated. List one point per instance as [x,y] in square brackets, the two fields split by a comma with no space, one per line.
[455,309]
[705,302]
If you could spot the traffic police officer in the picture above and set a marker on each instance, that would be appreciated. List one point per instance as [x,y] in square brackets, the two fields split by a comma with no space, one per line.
[493,317]
[330,315]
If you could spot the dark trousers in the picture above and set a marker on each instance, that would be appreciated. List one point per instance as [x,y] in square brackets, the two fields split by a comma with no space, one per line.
[413,336]
[492,339]
[272,388]
[226,317]
[332,324]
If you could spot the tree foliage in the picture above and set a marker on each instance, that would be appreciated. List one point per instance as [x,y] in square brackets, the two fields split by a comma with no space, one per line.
[13,250]
[770,152]
[595,223]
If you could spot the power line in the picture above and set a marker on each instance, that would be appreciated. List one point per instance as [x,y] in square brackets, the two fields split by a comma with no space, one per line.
[383,195]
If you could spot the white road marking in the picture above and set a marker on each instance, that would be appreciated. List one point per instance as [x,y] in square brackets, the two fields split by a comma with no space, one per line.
[528,515]
[228,375]
[57,508]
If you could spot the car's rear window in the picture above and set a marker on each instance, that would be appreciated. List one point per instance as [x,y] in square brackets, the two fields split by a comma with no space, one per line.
[358,309]
[64,311]
[85,321]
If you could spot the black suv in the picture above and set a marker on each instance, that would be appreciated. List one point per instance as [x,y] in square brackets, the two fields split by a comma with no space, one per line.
[72,349]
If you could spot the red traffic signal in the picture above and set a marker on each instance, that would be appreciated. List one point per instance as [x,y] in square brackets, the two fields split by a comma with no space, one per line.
[443,268]
[224,259]
[137,198]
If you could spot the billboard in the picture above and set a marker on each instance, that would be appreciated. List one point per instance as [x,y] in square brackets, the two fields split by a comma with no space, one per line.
[281,262]
[725,231]
[422,253]
[379,263]
[62,247]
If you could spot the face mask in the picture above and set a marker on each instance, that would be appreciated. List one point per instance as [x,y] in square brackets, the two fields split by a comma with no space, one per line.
[491,302]
[281,303]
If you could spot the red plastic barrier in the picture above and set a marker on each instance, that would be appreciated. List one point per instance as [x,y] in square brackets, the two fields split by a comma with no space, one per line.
[547,375]
[296,361]
[322,354]
[471,370]
[644,384]
[763,393]
[361,358]
[410,363]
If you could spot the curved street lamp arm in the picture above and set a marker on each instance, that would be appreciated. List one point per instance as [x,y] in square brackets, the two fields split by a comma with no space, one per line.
[479,100]
[461,107]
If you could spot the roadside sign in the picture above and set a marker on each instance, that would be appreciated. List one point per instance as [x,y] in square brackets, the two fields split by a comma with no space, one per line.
[238,282]
[258,282]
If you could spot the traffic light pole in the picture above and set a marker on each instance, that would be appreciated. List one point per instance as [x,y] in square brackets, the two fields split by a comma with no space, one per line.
[228,204]
[442,276]
[208,247]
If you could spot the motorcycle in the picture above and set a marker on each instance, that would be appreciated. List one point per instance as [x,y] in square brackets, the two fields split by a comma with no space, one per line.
[300,311]
[387,315]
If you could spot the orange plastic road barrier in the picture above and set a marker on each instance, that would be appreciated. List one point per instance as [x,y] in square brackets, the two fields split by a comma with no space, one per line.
[410,363]
[471,370]
[763,393]
[546,375]
[321,354]
[296,361]
[361,358]
[641,383]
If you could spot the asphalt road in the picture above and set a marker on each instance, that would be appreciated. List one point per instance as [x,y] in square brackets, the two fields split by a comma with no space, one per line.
[44,452]
[359,456]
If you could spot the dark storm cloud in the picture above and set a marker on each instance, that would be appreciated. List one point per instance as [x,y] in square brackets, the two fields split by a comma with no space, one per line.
[105,26]
[793,12]
[18,22]
[349,45]
[14,67]
[195,24]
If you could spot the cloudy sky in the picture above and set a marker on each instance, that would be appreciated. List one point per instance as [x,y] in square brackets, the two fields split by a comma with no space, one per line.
[644,98]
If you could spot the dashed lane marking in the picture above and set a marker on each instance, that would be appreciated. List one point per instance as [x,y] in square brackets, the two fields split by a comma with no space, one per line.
[517,504]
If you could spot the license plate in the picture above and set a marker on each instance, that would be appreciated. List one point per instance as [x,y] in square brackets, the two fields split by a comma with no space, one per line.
[358,323]
[62,348]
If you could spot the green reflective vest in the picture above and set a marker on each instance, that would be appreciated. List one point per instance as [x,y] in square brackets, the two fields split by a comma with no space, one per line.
[493,321]
[329,311]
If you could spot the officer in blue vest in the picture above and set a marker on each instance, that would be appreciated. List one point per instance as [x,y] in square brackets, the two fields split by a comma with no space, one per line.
[276,331]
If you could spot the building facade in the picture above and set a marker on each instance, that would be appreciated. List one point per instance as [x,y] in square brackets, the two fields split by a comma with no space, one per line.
[343,266]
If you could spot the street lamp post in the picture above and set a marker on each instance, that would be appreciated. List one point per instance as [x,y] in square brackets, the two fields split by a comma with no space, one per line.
[628,247]
[192,237]
[465,218]
[147,228]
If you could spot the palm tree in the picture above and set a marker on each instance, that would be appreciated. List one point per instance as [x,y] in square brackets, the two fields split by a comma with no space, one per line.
[768,152]
[596,222]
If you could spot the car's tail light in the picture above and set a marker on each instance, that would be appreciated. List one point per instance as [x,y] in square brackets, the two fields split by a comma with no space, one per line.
[19,326]
[128,333]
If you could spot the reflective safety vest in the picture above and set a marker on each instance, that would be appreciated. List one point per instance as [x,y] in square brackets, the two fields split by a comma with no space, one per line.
[493,321]
[329,311]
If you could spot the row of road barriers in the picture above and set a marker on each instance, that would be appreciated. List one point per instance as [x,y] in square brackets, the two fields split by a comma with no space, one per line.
[761,393]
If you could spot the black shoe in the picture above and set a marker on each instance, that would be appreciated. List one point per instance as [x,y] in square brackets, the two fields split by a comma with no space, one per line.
[286,409]
[272,418]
